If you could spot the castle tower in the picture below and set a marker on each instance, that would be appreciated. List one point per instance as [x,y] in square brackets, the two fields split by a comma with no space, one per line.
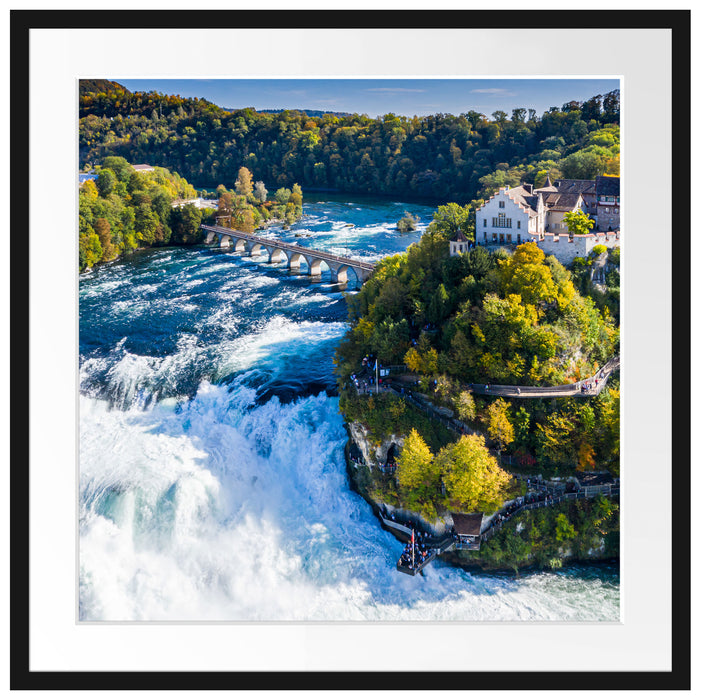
[459,243]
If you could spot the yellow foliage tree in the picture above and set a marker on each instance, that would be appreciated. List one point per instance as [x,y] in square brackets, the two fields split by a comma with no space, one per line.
[586,457]
[472,476]
[418,474]
[243,184]
[499,427]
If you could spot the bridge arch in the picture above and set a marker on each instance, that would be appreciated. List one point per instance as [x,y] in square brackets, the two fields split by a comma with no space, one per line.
[314,265]
[276,255]
[240,245]
[256,248]
[343,274]
[295,259]
[225,241]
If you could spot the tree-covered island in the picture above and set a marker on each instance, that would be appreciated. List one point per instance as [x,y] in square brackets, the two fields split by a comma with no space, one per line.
[444,323]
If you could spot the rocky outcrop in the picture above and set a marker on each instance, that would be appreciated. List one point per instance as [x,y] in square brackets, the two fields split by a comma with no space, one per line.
[372,454]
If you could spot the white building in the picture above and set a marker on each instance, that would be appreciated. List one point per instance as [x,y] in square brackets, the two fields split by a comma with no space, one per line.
[199,203]
[520,214]
[459,244]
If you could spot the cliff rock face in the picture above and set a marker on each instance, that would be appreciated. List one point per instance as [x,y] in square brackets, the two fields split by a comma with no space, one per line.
[373,455]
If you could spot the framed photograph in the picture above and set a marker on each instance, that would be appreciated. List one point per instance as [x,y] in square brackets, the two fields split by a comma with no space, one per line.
[334,366]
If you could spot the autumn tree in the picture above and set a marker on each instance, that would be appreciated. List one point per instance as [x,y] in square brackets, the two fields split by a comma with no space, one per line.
[465,406]
[499,425]
[554,438]
[89,248]
[423,363]
[417,473]
[472,477]
[243,184]
[525,274]
[296,196]
[102,229]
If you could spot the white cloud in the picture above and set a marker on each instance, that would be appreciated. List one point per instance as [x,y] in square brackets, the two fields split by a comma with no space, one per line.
[494,91]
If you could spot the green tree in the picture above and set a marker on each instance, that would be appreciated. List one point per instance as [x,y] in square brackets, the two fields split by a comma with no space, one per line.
[106,182]
[439,305]
[407,223]
[521,421]
[564,529]
[578,222]
[186,224]
[283,195]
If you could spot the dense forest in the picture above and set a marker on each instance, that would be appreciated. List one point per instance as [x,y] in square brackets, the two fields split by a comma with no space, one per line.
[441,157]
[497,317]
[123,209]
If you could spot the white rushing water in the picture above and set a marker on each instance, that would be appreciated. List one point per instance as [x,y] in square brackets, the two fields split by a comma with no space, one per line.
[211,511]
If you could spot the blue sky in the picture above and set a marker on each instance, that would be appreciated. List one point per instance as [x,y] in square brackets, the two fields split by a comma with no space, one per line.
[376,97]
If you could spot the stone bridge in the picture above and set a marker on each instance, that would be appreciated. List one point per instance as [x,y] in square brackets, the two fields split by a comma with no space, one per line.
[279,251]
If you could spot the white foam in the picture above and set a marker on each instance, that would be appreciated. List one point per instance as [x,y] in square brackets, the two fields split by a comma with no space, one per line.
[216,512]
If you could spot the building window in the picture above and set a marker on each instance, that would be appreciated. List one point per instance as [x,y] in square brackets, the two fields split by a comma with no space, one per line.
[501,238]
[501,221]
[501,204]
[518,238]
[485,235]
[509,238]
[484,222]
[518,224]
[494,237]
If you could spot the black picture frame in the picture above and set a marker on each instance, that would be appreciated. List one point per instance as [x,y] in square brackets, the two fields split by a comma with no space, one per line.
[22,677]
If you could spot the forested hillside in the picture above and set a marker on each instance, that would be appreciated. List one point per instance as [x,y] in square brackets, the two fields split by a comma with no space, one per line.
[502,318]
[441,157]
[124,209]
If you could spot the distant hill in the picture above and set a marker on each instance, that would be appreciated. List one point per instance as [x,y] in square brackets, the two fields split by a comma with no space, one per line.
[307,112]
[100,85]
